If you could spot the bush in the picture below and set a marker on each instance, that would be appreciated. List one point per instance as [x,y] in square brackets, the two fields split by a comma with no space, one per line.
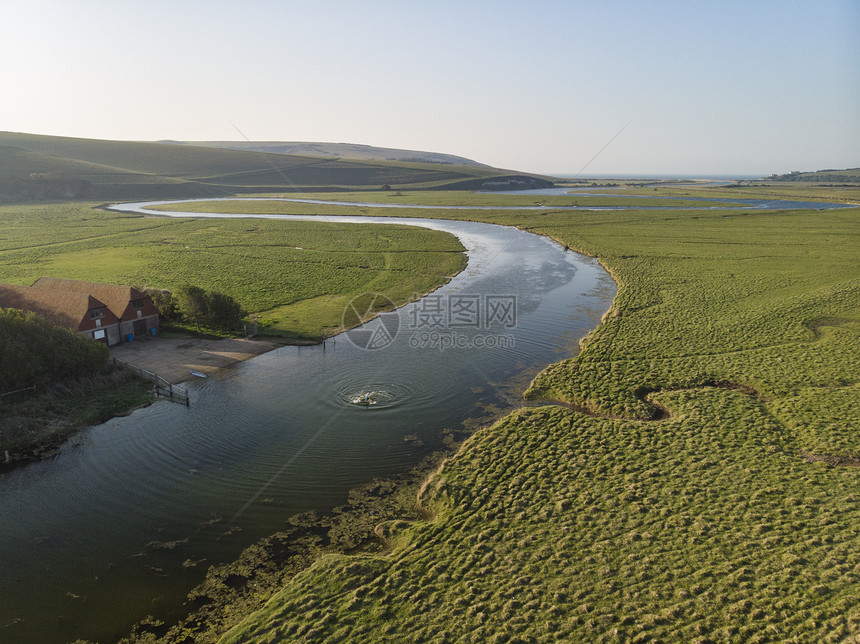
[35,352]
[210,308]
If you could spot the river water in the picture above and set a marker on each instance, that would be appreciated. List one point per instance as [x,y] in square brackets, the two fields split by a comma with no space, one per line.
[727,203]
[127,517]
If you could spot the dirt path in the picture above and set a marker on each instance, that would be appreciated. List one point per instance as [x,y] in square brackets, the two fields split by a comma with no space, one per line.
[175,359]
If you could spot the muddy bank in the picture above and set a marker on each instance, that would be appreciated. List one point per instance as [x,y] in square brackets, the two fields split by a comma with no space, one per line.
[175,358]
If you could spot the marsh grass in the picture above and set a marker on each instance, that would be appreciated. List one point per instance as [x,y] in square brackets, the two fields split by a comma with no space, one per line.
[34,425]
[706,525]
[760,190]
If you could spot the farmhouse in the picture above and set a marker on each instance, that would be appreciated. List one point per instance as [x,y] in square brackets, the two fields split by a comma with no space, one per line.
[105,312]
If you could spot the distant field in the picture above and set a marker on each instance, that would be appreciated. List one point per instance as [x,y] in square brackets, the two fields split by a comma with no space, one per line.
[702,493]
[761,190]
[272,268]
[457,198]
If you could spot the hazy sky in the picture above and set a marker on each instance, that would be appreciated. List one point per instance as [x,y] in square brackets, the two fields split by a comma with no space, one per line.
[748,87]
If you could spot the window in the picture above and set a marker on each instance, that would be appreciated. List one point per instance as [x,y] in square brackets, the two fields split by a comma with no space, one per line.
[138,304]
[96,313]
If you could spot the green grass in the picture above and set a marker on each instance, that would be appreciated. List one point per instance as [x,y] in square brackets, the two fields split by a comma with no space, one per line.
[271,267]
[682,507]
[760,190]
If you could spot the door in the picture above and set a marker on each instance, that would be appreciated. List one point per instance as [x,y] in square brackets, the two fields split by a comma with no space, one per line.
[139,328]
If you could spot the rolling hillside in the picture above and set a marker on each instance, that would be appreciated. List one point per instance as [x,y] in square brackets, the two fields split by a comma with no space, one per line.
[36,167]
[338,150]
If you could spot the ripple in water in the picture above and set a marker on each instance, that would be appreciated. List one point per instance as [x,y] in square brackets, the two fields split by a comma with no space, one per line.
[374,396]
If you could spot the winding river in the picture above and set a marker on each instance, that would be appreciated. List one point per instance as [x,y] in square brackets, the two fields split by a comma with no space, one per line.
[127,517]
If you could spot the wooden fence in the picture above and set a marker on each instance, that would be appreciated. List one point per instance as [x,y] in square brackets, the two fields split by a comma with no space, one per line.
[18,391]
[163,387]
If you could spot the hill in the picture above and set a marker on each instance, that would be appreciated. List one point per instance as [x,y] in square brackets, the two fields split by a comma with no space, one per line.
[336,150]
[36,167]
[850,175]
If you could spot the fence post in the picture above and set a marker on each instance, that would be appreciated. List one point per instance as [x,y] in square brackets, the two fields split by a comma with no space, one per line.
[162,384]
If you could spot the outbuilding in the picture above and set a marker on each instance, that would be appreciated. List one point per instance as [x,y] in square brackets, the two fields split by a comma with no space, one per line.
[136,313]
[79,312]
[107,313]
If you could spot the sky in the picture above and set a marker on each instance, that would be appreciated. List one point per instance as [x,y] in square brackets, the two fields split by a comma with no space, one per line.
[748,87]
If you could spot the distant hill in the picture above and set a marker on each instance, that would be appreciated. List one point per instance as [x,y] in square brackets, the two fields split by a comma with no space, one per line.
[36,167]
[336,150]
[850,175]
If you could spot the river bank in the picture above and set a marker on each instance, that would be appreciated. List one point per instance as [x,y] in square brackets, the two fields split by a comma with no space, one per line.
[235,590]
[36,424]
[175,358]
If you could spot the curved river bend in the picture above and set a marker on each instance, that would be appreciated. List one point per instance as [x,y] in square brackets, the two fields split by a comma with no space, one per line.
[126,519]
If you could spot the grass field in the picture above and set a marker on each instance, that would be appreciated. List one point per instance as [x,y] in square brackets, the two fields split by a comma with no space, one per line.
[761,190]
[694,480]
[298,276]
[704,491]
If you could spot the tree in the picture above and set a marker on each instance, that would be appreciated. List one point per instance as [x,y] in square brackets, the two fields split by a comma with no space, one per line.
[210,308]
[224,311]
[193,303]
[164,302]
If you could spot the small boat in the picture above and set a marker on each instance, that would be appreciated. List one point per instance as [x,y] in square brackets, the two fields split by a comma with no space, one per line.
[198,374]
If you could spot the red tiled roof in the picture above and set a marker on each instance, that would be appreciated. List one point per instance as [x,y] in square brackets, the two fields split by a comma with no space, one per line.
[116,297]
[65,308]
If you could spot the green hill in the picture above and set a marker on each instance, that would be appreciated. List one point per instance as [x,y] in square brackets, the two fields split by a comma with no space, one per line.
[337,150]
[850,175]
[36,167]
